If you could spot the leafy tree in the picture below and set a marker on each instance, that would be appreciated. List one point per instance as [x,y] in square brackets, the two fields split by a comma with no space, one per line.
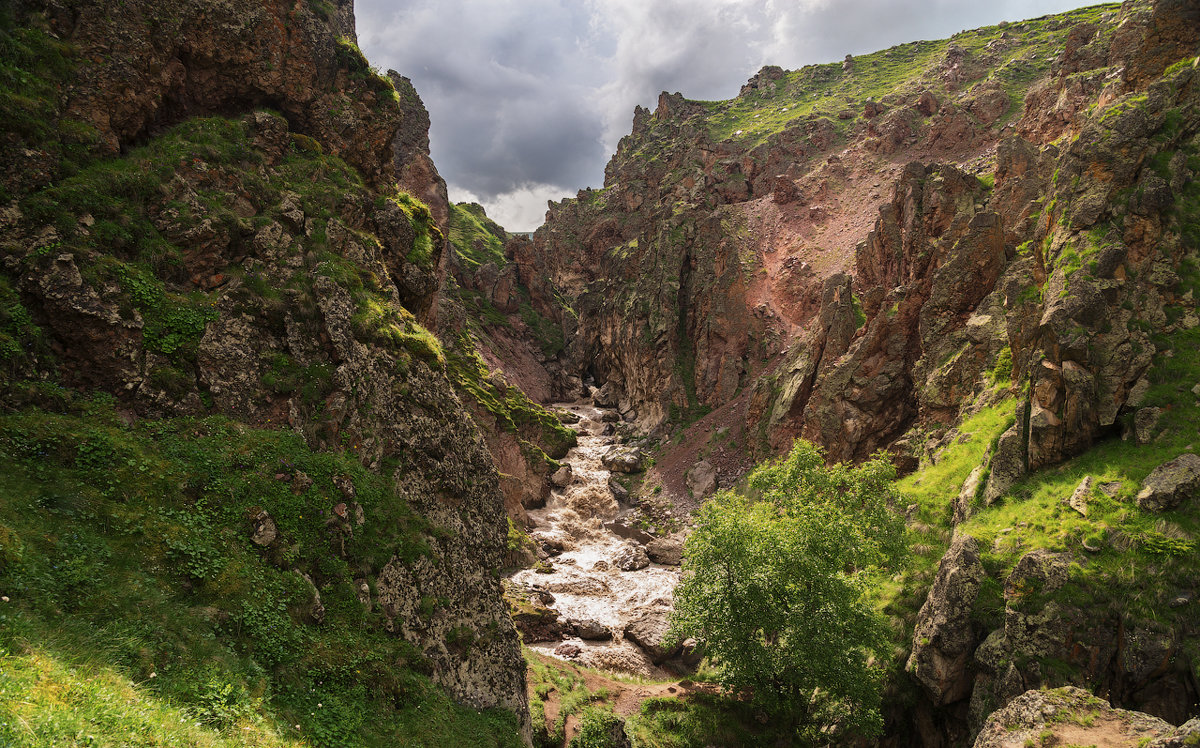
[774,588]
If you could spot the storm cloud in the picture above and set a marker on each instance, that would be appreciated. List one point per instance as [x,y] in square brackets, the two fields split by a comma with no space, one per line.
[529,97]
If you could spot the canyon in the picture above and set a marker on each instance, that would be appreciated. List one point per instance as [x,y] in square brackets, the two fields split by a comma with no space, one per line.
[299,452]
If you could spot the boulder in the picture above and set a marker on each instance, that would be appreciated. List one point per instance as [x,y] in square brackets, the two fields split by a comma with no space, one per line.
[1171,484]
[606,397]
[1007,465]
[624,459]
[963,508]
[539,625]
[566,416]
[667,551]
[263,527]
[631,558]
[1145,424]
[563,476]
[1070,715]
[568,650]
[944,639]
[591,630]
[1078,500]
[650,633]
[623,529]
[1187,734]
[702,479]
[619,492]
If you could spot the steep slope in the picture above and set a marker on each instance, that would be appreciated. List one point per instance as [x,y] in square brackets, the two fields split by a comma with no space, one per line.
[228,435]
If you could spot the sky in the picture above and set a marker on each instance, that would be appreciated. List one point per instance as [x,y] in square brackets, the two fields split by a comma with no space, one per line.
[528,98]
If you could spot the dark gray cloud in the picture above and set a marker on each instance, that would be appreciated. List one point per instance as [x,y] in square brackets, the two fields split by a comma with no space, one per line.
[528,97]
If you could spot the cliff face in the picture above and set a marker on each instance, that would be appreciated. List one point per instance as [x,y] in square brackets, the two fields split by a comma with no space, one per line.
[978,254]
[207,223]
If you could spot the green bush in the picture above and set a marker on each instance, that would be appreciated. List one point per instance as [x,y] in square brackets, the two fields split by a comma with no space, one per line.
[767,577]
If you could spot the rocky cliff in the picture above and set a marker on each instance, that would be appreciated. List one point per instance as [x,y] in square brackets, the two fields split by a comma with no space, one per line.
[213,215]
[979,254]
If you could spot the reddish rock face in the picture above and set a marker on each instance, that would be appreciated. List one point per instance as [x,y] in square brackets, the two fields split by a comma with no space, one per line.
[703,259]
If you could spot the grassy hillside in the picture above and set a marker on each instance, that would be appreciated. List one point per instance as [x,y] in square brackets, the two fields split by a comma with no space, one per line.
[139,610]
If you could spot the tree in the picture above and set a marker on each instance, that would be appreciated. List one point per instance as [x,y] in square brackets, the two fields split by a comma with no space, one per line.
[774,587]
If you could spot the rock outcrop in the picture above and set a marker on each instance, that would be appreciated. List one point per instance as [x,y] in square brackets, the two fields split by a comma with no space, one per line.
[246,252]
[1072,715]
[944,638]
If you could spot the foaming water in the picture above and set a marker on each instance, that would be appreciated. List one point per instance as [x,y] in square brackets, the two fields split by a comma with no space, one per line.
[586,583]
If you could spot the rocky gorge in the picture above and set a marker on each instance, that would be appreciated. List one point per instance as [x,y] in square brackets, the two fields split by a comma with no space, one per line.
[298,452]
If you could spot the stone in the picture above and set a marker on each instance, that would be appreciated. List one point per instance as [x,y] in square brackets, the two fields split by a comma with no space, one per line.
[1035,717]
[591,630]
[566,416]
[702,479]
[606,397]
[1171,483]
[632,558]
[568,650]
[624,459]
[1078,500]
[1007,465]
[963,505]
[264,531]
[563,476]
[667,551]
[1145,421]
[784,190]
[619,492]
[926,104]
[944,640]
[1187,734]
[621,528]
[650,633]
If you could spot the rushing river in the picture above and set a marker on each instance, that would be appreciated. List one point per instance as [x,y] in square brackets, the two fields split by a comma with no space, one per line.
[586,582]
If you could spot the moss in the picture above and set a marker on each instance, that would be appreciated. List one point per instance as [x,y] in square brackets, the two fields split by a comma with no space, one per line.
[476,238]
[512,408]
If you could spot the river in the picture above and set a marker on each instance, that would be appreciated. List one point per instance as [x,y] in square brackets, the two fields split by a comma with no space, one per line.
[586,583]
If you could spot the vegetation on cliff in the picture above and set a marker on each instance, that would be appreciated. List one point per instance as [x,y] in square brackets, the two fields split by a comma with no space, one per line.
[242,502]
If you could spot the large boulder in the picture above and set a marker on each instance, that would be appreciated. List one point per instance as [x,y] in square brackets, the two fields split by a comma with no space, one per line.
[702,479]
[563,476]
[1071,715]
[944,640]
[650,633]
[1007,465]
[1171,484]
[624,459]
[667,551]
[631,558]
[591,629]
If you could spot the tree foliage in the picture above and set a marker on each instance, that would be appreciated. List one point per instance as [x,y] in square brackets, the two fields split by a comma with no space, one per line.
[773,586]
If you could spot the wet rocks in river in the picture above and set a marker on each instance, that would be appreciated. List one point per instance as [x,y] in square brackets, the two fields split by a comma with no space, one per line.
[619,492]
[539,625]
[569,651]
[632,557]
[650,633]
[563,476]
[623,529]
[624,459]
[667,551]
[566,417]
[592,630]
